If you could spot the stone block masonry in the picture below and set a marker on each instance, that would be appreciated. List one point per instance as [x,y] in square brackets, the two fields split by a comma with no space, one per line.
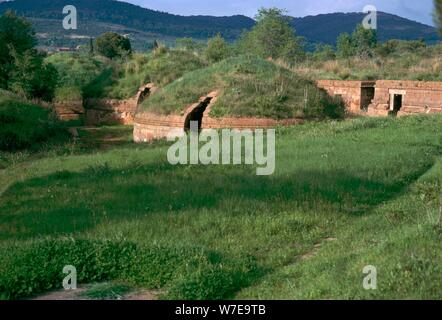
[386,97]
[69,110]
[150,126]
[406,98]
[112,111]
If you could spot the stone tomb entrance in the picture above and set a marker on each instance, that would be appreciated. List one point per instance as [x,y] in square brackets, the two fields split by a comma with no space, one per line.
[396,101]
[197,114]
[367,95]
[198,111]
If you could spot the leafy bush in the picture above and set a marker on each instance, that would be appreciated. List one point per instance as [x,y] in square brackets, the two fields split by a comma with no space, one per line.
[37,267]
[22,67]
[272,36]
[217,49]
[24,125]
[113,45]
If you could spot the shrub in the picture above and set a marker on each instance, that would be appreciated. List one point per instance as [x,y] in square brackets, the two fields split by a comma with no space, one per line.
[16,36]
[113,45]
[272,36]
[217,49]
[22,68]
[25,125]
[34,268]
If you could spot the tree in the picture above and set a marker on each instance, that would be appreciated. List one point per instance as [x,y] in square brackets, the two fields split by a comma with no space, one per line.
[438,14]
[344,46]
[32,77]
[364,41]
[113,45]
[16,36]
[361,42]
[217,49]
[272,36]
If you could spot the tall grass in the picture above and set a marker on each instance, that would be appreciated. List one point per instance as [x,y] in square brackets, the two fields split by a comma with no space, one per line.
[421,64]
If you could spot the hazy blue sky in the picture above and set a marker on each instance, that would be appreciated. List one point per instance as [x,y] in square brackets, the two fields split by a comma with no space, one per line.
[419,10]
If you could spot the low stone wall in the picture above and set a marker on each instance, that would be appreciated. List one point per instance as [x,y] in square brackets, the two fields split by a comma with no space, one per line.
[69,110]
[350,91]
[112,111]
[417,97]
[149,126]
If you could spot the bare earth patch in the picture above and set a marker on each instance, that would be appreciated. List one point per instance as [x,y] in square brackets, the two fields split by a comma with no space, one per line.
[81,294]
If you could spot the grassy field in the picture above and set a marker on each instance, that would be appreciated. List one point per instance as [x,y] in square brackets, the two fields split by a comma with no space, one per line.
[344,195]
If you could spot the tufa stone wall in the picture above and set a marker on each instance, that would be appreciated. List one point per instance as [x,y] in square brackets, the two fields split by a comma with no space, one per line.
[150,126]
[69,110]
[352,92]
[412,97]
[384,97]
[112,111]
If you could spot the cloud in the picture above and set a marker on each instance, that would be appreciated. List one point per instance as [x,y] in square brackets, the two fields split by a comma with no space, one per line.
[416,10]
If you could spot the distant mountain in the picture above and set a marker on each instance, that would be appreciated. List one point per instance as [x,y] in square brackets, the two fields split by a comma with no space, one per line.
[325,28]
[144,25]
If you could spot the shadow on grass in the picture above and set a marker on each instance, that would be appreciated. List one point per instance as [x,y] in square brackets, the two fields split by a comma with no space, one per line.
[68,202]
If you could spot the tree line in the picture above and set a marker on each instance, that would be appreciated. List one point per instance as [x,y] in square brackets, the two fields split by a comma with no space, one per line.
[23,68]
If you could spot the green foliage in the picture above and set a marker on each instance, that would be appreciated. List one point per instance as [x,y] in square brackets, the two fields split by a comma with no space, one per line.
[248,87]
[37,267]
[364,40]
[272,37]
[66,93]
[217,49]
[160,67]
[361,42]
[22,68]
[344,46]
[32,77]
[397,48]
[113,45]
[324,52]
[25,125]
[16,36]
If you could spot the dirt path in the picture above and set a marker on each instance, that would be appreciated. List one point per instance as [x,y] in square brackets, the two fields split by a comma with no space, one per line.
[84,293]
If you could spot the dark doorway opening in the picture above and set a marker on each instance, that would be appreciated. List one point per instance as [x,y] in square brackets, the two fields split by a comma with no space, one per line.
[367,96]
[144,94]
[197,114]
[397,104]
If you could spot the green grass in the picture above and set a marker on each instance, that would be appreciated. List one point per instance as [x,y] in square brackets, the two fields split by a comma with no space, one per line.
[95,77]
[344,195]
[25,125]
[247,86]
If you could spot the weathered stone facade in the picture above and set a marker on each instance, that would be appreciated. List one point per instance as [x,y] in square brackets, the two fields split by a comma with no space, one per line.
[356,95]
[112,111]
[384,97]
[406,97]
[150,126]
[69,110]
